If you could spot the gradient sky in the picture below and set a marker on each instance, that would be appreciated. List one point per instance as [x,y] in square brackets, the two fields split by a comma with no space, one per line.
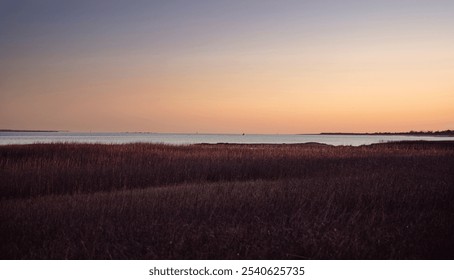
[227,66]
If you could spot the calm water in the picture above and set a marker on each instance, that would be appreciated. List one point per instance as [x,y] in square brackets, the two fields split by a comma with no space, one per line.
[7,138]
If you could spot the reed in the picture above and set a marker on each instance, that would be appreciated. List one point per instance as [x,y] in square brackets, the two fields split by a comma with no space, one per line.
[149,201]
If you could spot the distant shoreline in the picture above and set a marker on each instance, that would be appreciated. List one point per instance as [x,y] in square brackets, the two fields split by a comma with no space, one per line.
[32,130]
[411,133]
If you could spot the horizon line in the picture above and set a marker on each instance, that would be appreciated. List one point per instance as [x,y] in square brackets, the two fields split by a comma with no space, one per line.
[240,133]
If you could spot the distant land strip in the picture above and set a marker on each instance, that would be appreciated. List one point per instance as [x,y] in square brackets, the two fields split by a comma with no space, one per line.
[26,130]
[411,133]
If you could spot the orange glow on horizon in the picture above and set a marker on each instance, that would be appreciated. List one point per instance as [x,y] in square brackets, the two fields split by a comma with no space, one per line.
[378,76]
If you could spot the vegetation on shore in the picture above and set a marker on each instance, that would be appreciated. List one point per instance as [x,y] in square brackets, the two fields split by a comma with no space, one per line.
[410,133]
[150,201]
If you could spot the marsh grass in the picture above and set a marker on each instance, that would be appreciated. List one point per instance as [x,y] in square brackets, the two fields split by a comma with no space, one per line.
[148,201]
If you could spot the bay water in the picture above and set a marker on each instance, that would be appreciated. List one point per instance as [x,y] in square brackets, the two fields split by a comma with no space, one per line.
[10,137]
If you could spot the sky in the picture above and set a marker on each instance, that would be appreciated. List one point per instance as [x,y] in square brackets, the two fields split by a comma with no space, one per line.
[245,66]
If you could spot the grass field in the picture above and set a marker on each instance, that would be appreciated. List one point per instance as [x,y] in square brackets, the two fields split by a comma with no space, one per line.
[150,201]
